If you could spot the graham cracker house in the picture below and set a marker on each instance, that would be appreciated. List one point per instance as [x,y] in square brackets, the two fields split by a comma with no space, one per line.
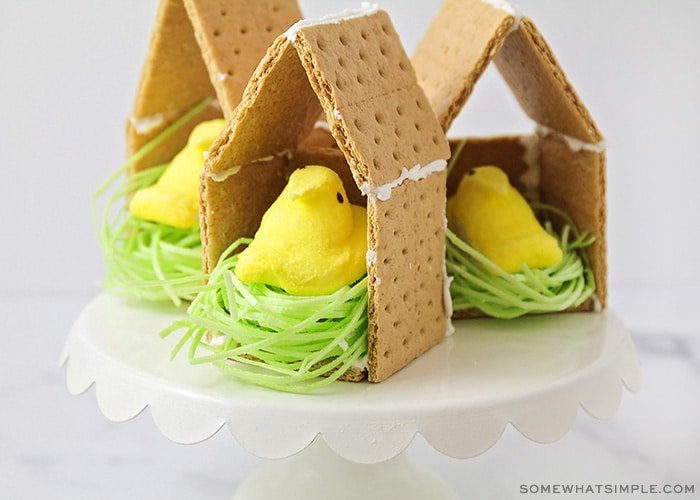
[391,155]
[563,163]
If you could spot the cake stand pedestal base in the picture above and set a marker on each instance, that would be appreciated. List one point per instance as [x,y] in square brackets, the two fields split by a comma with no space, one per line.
[317,473]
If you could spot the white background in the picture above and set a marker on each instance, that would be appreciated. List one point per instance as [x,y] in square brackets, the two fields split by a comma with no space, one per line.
[68,71]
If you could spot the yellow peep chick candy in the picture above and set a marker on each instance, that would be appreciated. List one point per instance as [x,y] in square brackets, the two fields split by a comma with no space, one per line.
[174,199]
[495,219]
[311,240]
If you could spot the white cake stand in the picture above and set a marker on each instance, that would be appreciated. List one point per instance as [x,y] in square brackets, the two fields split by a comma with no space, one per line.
[532,373]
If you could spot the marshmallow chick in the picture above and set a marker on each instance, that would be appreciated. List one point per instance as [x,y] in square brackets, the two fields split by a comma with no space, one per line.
[495,219]
[311,240]
[174,199]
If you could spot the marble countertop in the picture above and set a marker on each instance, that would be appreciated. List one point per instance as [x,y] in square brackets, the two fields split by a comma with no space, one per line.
[57,445]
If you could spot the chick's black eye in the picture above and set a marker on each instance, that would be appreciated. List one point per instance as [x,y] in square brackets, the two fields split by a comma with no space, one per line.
[472,172]
[339,197]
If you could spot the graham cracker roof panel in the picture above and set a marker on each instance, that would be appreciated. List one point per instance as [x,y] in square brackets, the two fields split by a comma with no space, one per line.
[467,35]
[233,36]
[540,85]
[278,110]
[168,87]
[363,57]
[452,55]
[377,112]
[397,130]
[199,49]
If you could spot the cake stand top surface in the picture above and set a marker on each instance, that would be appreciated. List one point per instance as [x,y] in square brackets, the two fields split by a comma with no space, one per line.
[533,372]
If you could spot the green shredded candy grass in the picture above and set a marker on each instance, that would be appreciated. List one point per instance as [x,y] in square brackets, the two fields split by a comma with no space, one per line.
[481,284]
[147,261]
[265,336]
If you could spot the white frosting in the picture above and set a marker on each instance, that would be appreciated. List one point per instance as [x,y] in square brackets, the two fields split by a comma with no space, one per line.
[217,340]
[206,155]
[322,124]
[377,281]
[222,76]
[531,157]
[337,114]
[508,7]
[365,9]
[361,363]
[447,299]
[222,176]
[145,124]
[576,145]
[371,257]
[415,173]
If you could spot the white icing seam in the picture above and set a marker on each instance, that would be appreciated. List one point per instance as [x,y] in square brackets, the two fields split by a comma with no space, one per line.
[415,173]
[511,9]
[365,9]
[361,363]
[371,257]
[222,76]
[576,145]
[146,124]
[531,157]
[447,298]
[217,340]
[323,124]
[222,176]
[337,114]
[377,281]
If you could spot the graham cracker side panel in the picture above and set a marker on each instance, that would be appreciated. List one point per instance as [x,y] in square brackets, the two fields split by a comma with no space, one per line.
[575,183]
[406,309]
[233,208]
[383,124]
[173,80]
[233,36]
[278,110]
[507,152]
[333,159]
[540,85]
[453,54]
[375,109]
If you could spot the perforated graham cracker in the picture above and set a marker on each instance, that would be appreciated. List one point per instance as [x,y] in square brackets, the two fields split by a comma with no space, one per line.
[233,36]
[456,50]
[199,49]
[382,123]
[460,43]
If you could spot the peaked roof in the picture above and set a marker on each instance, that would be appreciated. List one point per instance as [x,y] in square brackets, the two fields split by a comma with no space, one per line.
[467,35]
[353,68]
[200,49]
[462,40]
